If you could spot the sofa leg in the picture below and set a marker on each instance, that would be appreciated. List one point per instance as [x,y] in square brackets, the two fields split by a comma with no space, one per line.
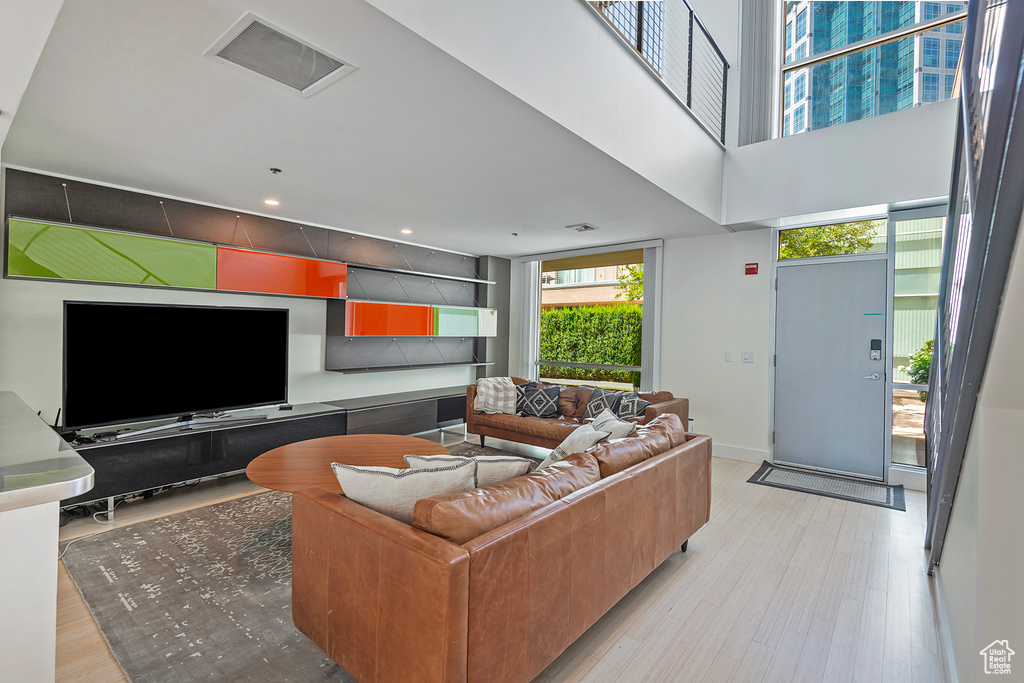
[482,441]
[682,548]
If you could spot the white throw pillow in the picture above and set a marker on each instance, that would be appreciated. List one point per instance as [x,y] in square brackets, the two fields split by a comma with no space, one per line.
[490,469]
[579,440]
[394,492]
[607,421]
[495,395]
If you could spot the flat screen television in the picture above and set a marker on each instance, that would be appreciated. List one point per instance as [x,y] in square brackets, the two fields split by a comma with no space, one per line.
[132,362]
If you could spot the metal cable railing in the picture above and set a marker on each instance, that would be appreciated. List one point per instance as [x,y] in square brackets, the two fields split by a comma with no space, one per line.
[671,40]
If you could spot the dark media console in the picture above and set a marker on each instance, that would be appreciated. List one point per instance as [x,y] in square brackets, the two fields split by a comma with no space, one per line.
[132,464]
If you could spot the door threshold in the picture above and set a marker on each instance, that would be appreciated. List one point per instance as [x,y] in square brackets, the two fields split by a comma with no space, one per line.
[840,473]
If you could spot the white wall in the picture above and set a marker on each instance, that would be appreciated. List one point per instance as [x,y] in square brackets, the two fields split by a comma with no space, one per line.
[711,307]
[983,557]
[560,58]
[24,28]
[901,156]
[31,335]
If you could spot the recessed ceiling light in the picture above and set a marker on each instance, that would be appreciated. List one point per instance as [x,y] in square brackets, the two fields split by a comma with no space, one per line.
[271,202]
[406,231]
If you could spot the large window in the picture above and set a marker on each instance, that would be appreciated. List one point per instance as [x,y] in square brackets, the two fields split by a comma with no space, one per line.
[586,320]
[878,51]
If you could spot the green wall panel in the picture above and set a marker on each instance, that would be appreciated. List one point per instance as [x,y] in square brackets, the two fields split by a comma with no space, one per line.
[62,252]
[455,322]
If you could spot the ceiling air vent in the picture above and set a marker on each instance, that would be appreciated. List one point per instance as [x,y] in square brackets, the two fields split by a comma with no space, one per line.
[582,227]
[256,45]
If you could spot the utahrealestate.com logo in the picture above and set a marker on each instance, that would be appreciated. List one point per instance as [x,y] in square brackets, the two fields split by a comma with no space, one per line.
[997,657]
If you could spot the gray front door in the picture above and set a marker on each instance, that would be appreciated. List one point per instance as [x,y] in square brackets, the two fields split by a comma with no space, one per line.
[829,392]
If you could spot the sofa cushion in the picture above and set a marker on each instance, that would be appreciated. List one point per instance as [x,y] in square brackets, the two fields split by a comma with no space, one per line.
[490,469]
[602,399]
[545,428]
[462,516]
[394,492]
[567,401]
[577,441]
[533,400]
[661,434]
[670,425]
[632,406]
[495,395]
[582,399]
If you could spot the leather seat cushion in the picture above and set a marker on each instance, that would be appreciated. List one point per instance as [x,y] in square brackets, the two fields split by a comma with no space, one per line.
[462,516]
[544,427]
[661,434]
[567,402]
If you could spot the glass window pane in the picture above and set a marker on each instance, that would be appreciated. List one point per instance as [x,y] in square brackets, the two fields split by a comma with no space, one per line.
[592,315]
[952,53]
[860,237]
[908,427]
[916,289]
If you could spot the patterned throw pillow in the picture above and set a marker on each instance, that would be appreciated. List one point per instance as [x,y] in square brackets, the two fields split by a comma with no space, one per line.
[632,406]
[533,400]
[495,395]
[579,440]
[616,428]
[490,469]
[602,399]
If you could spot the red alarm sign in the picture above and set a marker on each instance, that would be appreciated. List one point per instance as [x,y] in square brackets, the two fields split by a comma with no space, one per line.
[750,269]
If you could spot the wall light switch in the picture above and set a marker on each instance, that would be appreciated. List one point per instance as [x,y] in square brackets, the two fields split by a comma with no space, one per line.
[748,356]
[728,356]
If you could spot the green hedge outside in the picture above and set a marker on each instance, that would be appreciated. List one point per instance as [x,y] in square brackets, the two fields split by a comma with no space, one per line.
[608,335]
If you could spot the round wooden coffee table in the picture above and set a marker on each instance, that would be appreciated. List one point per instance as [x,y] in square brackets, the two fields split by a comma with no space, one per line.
[308,463]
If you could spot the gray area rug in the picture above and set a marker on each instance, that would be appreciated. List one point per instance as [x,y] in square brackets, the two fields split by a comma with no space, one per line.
[882,495]
[205,595]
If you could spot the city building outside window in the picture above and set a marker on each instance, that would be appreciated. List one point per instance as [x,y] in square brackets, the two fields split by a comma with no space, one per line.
[907,71]
[930,52]
[952,53]
[931,88]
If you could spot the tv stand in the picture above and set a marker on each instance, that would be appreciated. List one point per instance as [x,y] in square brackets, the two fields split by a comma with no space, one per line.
[144,459]
[187,422]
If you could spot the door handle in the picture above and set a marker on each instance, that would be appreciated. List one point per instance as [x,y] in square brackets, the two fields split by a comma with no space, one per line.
[873,376]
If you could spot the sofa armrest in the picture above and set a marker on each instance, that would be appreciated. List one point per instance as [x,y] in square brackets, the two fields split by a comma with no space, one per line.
[471,413]
[679,406]
[385,601]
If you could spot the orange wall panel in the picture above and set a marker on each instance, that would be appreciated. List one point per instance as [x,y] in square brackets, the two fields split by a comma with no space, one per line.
[387,320]
[249,271]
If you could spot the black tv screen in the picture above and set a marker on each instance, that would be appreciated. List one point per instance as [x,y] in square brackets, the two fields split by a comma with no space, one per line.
[132,362]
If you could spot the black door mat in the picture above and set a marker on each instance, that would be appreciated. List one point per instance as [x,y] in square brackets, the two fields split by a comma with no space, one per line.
[843,488]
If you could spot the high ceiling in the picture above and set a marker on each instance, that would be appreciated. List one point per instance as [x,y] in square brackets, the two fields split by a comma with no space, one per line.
[123,94]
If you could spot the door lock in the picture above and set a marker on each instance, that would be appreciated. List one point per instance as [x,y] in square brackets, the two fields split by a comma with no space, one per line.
[876,349]
[873,376]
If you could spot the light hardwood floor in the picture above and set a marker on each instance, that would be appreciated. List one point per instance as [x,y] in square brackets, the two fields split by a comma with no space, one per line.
[779,586]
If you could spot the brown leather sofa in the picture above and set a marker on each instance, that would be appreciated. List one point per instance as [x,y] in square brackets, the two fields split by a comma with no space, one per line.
[572,404]
[392,602]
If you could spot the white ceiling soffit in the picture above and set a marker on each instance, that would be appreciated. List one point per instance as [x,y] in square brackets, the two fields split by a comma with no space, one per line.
[412,139]
[257,45]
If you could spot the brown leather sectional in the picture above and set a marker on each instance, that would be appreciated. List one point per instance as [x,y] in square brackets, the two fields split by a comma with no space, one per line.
[572,404]
[539,559]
